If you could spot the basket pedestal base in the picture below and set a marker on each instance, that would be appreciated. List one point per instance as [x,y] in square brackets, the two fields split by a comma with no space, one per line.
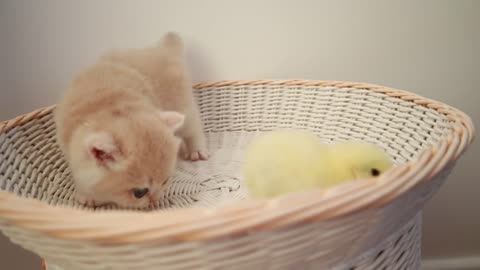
[402,250]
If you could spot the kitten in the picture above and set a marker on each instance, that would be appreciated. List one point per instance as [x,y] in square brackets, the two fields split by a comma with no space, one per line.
[123,120]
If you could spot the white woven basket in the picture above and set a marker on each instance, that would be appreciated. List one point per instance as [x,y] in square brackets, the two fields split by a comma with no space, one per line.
[373,224]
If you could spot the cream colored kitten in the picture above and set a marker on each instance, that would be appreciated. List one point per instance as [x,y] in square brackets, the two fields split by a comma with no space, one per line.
[119,120]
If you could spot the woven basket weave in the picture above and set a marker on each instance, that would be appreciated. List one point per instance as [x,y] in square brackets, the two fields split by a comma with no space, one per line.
[204,223]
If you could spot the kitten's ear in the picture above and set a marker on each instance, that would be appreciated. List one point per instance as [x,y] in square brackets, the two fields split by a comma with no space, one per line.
[173,120]
[102,148]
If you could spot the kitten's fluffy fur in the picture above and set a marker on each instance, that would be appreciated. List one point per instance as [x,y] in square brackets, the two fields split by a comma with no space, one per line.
[118,121]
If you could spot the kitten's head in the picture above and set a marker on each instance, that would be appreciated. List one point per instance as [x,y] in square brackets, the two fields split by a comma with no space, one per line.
[128,161]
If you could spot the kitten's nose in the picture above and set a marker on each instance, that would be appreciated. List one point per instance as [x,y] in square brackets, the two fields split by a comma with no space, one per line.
[152,201]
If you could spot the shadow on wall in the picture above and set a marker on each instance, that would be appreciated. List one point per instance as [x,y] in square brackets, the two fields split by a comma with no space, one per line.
[14,257]
[197,61]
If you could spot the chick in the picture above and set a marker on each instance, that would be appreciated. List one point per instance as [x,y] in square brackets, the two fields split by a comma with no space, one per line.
[286,161]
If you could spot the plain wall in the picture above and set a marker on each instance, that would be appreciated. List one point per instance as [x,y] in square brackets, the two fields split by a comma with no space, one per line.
[428,47]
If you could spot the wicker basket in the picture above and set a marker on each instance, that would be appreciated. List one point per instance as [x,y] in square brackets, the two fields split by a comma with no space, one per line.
[373,224]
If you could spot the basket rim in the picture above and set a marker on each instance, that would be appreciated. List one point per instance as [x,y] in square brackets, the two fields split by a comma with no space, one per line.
[201,224]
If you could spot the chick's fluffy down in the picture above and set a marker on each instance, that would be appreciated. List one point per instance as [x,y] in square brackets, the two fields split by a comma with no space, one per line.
[286,161]
[281,162]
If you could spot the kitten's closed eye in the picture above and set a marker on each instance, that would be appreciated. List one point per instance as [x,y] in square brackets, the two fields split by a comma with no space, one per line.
[140,192]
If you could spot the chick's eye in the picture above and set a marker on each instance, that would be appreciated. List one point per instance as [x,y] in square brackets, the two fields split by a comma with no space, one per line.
[140,192]
[375,172]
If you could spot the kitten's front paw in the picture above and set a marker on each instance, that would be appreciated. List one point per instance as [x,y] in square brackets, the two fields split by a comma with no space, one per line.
[197,155]
[194,148]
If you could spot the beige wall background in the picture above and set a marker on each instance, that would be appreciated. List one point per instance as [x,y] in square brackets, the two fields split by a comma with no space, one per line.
[431,47]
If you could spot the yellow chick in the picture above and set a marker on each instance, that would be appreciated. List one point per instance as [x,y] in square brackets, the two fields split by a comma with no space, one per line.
[284,161]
